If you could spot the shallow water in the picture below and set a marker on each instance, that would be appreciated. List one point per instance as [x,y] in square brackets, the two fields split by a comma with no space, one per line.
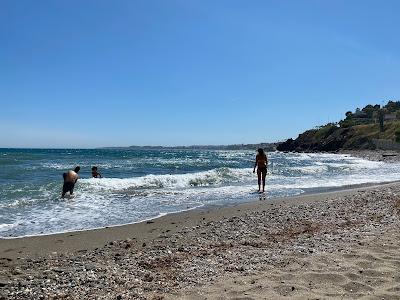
[143,184]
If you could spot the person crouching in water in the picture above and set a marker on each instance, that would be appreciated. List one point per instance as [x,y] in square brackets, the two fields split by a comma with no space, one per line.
[261,164]
[70,178]
[95,174]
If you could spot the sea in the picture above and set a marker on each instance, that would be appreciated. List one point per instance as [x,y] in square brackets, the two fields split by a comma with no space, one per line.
[140,185]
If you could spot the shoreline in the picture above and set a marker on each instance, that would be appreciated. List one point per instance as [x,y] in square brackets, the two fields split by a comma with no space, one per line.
[211,206]
[20,246]
[340,244]
[21,232]
[208,206]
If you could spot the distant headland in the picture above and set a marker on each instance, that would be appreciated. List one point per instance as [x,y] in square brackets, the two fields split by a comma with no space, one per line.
[372,127]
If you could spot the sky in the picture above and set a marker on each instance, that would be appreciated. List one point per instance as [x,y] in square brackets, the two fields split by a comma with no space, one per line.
[83,74]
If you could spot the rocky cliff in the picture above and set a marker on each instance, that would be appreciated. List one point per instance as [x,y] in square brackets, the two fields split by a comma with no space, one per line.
[332,138]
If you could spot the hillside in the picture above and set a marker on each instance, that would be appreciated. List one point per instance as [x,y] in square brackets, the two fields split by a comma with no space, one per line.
[370,128]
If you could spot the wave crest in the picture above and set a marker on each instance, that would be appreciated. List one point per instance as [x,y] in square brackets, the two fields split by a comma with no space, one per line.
[213,177]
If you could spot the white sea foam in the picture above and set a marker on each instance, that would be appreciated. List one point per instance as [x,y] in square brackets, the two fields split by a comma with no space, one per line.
[310,169]
[5,226]
[101,202]
[171,181]
[57,166]
[17,203]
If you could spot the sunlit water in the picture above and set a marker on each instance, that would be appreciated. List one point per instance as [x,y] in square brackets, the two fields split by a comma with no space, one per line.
[143,184]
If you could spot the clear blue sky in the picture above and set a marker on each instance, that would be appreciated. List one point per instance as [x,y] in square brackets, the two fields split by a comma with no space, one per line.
[119,73]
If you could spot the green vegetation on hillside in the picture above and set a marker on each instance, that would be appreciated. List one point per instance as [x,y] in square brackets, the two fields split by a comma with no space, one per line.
[360,129]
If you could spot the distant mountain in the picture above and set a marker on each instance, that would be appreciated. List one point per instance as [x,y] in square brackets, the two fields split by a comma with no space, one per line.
[369,128]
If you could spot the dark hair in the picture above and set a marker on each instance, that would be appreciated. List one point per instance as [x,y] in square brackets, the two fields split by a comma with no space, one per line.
[94,168]
[77,168]
[261,151]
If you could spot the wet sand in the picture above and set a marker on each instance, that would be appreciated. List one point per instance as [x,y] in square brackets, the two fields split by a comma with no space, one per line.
[341,244]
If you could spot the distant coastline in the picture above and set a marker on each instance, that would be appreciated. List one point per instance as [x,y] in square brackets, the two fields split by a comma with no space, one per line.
[265,146]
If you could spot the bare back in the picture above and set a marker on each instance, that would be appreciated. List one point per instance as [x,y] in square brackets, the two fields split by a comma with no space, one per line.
[71,177]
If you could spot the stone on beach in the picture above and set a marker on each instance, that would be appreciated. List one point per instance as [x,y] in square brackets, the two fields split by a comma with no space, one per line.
[325,247]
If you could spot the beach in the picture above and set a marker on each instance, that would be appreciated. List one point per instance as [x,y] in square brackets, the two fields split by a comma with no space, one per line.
[196,150]
[339,244]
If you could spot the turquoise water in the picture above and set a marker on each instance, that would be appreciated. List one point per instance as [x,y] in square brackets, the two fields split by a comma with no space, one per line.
[143,184]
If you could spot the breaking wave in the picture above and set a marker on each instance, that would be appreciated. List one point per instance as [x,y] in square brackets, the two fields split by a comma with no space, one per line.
[139,185]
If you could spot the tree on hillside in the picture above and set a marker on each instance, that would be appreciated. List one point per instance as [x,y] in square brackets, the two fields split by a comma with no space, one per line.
[381,115]
[349,114]
[392,106]
[348,122]
[369,110]
[397,134]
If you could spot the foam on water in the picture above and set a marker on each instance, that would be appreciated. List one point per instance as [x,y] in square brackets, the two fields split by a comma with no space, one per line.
[147,184]
[176,181]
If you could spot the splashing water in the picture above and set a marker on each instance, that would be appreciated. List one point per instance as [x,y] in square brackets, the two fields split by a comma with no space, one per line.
[143,184]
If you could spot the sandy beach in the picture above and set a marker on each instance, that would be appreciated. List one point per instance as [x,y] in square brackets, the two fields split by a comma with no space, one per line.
[341,244]
[199,150]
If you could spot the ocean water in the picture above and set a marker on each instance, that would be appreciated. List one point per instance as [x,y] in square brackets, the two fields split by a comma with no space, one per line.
[143,184]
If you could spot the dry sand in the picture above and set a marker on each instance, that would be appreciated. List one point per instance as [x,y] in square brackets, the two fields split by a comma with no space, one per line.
[340,245]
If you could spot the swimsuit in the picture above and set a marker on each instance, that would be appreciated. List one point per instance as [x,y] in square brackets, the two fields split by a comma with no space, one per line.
[95,174]
[262,169]
[68,187]
[261,160]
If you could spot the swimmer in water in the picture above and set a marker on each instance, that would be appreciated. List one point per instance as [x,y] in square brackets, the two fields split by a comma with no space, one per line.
[95,174]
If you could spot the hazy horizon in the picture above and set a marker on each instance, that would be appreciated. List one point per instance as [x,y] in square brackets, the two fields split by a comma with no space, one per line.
[119,146]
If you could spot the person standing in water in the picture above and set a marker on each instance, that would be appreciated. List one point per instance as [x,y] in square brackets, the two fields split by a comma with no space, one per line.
[95,174]
[70,178]
[261,164]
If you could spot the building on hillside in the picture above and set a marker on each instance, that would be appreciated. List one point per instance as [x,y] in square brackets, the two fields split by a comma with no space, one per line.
[361,117]
[390,117]
[359,113]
